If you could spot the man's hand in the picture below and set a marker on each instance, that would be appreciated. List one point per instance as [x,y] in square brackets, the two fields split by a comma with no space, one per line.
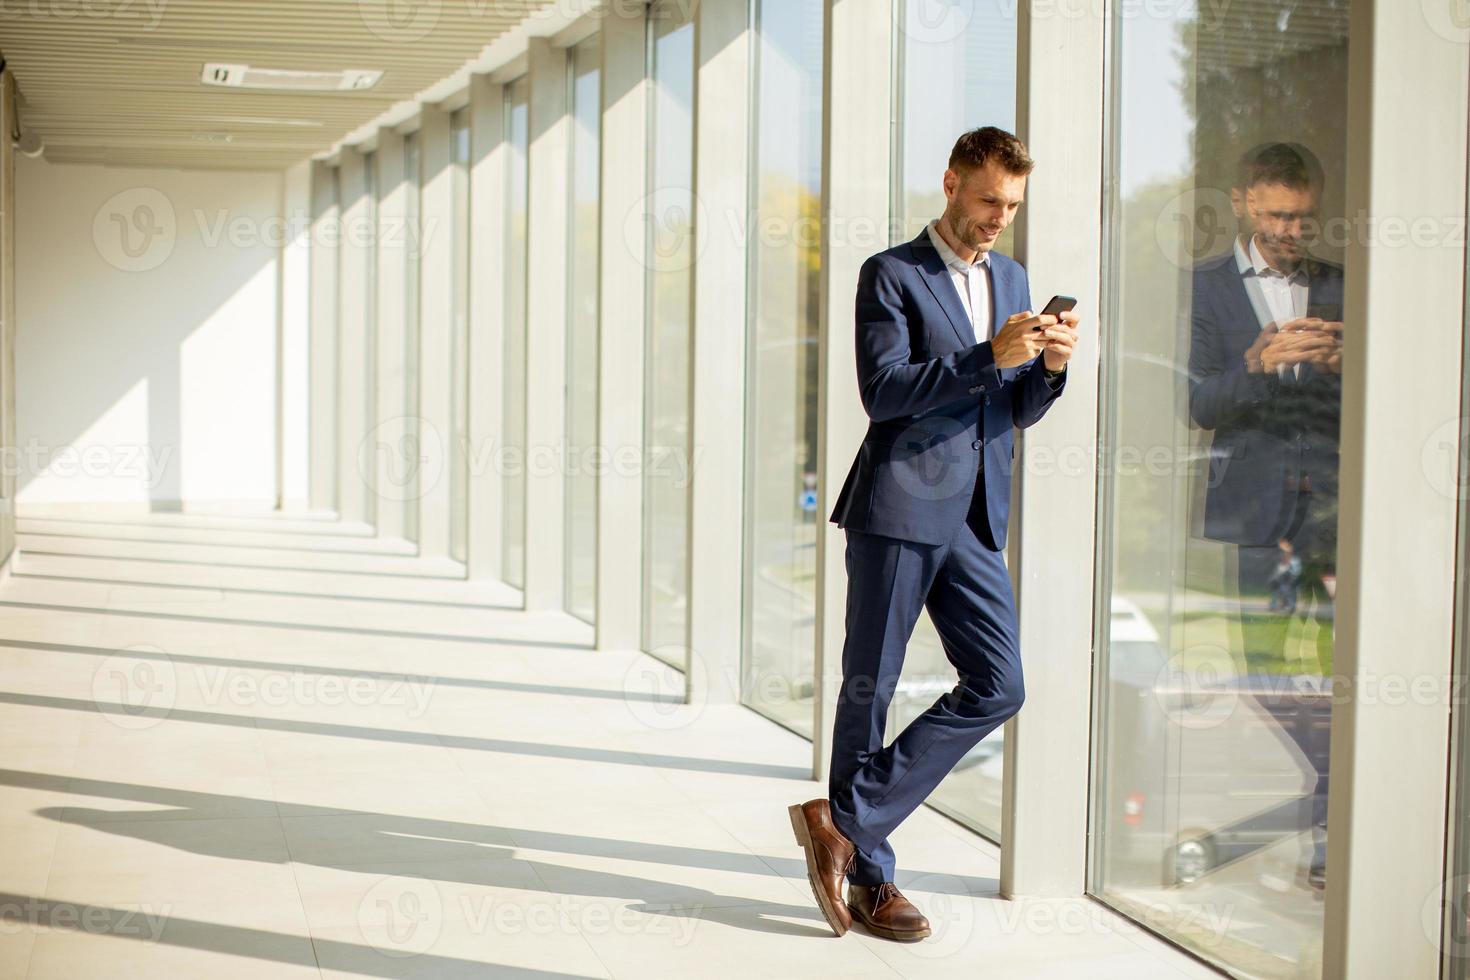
[1061,339]
[1331,359]
[1297,341]
[1018,341]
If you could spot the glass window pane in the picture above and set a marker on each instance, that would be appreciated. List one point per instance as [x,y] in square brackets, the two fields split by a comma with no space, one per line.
[957,72]
[370,318]
[781,514]
[459,470]
[1220,473]
[1455,898]
[582,338]
[517,204]
[413,178]
[952,80]
[670,259]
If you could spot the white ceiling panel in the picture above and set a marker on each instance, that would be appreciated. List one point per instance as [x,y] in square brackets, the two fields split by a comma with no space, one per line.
[119,81]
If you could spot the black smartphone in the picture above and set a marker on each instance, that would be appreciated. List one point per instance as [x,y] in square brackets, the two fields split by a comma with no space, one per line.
[1057,305]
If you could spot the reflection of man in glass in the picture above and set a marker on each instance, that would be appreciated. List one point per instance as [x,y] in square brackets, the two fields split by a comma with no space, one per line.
[1265,377]
[950,359]
[1286,578]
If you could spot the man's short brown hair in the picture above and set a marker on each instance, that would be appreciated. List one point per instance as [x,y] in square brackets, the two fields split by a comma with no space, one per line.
[980,146]
[1289,164]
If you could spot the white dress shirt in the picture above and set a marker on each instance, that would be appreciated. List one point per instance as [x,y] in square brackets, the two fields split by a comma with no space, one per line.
[1275,296]
[971,280]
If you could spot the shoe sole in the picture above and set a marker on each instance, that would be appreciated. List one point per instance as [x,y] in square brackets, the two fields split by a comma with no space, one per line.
[804,838]
[883,932]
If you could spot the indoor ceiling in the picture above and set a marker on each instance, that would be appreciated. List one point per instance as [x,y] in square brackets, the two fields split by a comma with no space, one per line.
[118,81]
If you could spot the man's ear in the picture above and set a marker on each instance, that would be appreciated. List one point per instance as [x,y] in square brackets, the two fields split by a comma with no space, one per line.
[1237,202]
[951,184]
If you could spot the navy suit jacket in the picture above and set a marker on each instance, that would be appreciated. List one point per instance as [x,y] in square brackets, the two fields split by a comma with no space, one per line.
[1268,432]
[936,402]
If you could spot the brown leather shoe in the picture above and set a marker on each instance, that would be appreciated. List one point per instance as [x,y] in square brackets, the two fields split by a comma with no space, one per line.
[829,856]
[886,913]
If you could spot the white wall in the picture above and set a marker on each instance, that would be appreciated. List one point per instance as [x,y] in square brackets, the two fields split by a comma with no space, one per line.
[147,325]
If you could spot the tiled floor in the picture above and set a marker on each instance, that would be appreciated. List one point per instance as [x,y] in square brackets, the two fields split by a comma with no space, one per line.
[265,747]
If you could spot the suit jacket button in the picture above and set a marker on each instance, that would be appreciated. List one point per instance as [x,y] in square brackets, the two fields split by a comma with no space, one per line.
[976,444]
[987,399]
[976,390]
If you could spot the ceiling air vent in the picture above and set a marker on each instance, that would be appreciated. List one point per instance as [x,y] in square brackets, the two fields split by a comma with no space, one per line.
[286,80]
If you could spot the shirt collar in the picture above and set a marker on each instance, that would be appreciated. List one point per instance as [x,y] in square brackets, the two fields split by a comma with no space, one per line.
[946,253]
[1255,264]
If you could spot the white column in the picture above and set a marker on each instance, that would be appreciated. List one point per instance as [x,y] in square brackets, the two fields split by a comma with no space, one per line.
[1044,805]
[7,314]
[722,120]
[855,194]
[1401,429]
[436,316]
[352,337]
[294,342]
[326,231]
[620,371]
[546,318]
[487,323]
[393,482]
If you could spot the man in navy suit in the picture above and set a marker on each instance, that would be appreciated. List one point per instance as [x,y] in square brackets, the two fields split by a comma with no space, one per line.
[1265,366]
[950,359]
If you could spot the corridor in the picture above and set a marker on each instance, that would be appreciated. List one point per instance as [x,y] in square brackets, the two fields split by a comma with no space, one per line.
[277,747]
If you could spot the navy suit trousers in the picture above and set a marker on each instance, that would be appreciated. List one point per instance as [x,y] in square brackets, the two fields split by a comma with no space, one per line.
[965,587]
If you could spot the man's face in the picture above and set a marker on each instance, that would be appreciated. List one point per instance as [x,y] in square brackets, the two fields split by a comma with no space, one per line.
[1280,216]
[982,203]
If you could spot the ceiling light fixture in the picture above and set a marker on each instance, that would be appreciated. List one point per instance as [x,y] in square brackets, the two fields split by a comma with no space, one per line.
[289,80]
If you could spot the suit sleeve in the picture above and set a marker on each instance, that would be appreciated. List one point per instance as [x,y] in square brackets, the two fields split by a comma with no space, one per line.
[1220,388]
[1031,393]
[892,387]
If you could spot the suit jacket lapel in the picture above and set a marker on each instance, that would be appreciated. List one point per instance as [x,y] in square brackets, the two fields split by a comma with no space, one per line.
[1001,296]
[1242,312]
[936,277]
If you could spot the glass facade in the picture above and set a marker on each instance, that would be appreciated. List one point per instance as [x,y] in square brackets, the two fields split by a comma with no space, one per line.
[584,259]
[949,82]
[782,512]
[459,382]
[513,379]
[669,251]
[1224,296]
